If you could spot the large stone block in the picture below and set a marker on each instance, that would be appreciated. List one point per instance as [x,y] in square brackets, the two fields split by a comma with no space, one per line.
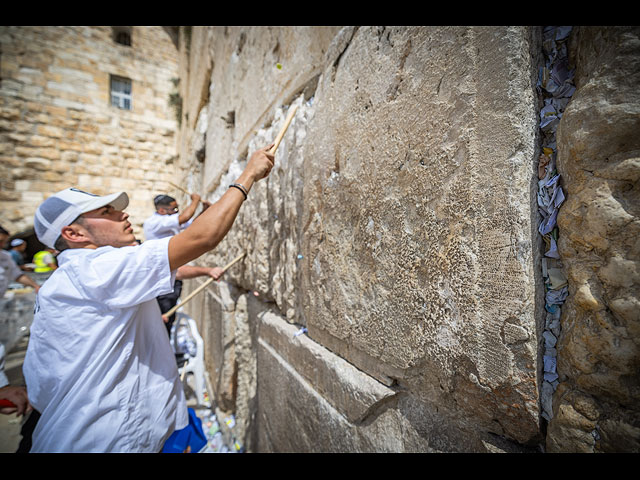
[397,224]
[598,157]
[418,216]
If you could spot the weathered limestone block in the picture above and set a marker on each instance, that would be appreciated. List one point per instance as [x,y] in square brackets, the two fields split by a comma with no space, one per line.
[396,225]
[418,217]
[349,391]
[302,410]
[599,159]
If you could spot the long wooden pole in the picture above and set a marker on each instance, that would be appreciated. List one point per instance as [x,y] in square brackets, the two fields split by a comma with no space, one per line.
[283,130]
[181,189]
[203,286]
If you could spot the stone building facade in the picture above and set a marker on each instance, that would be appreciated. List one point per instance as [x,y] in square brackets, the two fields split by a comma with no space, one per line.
[87,107]
[391,297]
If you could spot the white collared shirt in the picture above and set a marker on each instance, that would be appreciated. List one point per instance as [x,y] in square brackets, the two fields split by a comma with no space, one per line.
[161,226]
[99,366]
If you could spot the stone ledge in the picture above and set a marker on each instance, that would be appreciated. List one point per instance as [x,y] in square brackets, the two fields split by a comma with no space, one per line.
[350,391]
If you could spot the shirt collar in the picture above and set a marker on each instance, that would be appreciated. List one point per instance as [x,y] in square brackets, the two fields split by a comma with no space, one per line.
[70,253]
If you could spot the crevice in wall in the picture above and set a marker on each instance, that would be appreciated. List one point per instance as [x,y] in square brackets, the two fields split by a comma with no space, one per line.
[555,87]
[230,119]
[344,37]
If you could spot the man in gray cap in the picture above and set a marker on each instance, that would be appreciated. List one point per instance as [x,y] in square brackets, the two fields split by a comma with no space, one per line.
[99,366]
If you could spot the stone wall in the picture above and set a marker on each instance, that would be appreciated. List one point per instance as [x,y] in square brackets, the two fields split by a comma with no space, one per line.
[398,228]
[597,404]
[57,125]
[391,297]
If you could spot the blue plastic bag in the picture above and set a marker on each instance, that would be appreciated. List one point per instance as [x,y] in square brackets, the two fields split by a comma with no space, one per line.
[191,436]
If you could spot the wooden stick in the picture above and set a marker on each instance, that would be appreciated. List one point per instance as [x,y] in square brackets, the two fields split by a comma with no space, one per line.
[180,188]
[278,139]
[202,287]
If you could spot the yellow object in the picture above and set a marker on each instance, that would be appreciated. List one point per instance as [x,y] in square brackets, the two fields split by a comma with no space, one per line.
[547,150]
[279,66]
[42,262]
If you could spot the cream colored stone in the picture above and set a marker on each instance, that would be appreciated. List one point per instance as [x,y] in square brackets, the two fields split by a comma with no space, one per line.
[584,298]
[37,163]
[620,272]
[50,131]
[384,240]
[72,114]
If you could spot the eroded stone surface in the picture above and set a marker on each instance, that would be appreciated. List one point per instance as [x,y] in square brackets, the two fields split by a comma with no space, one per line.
[396,225]
[598,147]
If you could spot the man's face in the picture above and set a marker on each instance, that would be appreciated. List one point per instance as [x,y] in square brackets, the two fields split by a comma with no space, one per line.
[168,209]
[107,226]
[3,239]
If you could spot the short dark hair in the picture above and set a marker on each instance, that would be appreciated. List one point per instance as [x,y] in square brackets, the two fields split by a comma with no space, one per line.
[60,243]
[163,200]
[3,231]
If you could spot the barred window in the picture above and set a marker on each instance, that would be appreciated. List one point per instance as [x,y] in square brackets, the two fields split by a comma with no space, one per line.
[122,35]
[121,92]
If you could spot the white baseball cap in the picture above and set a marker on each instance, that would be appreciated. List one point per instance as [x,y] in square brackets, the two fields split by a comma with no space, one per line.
[16,242]
[64,207]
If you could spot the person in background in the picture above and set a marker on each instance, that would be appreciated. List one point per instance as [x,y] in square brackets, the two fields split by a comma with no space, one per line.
[9,272]
[16,395]
[18,403]
[45,260]
[18,246]
[168,221]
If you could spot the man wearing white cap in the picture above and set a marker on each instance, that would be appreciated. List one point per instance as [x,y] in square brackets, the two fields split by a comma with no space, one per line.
[99,366]
[18,246]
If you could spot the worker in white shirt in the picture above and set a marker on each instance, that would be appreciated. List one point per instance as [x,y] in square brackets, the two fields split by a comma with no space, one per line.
[167,221]
[99,366]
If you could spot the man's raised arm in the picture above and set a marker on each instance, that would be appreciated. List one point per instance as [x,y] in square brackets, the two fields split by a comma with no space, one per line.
[209,228]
